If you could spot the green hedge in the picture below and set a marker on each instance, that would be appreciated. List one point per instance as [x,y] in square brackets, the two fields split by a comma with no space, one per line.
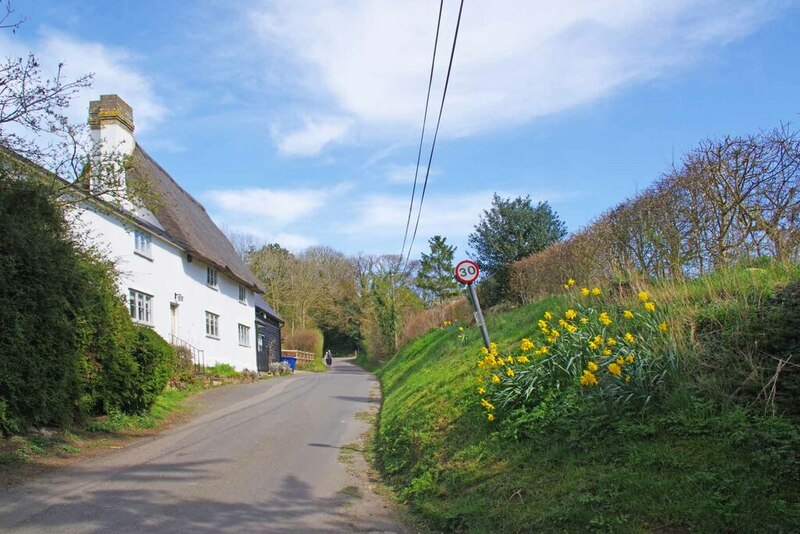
[68,347]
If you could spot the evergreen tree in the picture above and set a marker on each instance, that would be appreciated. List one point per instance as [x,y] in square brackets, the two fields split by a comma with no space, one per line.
[435,277]
[510,231]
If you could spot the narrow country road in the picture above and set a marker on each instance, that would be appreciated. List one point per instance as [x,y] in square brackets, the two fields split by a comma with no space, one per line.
[261,457]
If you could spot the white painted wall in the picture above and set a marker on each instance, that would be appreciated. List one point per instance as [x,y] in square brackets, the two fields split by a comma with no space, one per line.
[168,273]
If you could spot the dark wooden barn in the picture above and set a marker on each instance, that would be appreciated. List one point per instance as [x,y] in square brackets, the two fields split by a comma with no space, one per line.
[268,334]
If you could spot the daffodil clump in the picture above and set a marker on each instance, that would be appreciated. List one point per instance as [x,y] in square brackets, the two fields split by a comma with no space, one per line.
[617,356]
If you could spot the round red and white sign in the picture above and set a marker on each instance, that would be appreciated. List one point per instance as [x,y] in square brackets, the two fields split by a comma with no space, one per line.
[467,271]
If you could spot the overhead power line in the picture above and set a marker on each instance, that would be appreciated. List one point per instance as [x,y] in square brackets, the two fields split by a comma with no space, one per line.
[422,135]
[435,134]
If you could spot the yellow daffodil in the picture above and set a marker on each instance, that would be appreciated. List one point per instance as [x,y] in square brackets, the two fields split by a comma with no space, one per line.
[649,306]
[548,316]
[629,358]
[525,345]
[629,337]
[584,320]
[614,369]
[606,352]
[490,417]
[585,291]
[593,345]
[620,361]
[570,314]
[611,342]
[588,379]
[627,314]
[643,296]
[481,391]
[596,291]
[522,359]
[592,366]
[604,319]
[510,372]
[663,327]
[495,379]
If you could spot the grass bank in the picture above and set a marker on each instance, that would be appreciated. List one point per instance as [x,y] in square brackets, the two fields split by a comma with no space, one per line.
[717,450]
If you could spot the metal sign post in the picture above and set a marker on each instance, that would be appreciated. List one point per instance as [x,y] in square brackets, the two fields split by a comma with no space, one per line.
[467,272]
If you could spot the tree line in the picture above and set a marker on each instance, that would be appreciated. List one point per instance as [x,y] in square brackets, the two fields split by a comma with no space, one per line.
[730,199]
[375,303]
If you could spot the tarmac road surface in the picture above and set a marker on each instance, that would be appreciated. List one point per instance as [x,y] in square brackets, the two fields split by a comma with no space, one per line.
[260,457]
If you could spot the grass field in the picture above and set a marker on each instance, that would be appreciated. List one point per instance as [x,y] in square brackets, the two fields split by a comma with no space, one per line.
[717,451]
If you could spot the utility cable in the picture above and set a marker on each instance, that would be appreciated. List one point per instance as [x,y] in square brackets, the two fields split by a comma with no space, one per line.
[435,134]
[422,135]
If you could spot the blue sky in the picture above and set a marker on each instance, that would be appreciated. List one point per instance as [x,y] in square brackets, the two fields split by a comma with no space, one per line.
[298,122]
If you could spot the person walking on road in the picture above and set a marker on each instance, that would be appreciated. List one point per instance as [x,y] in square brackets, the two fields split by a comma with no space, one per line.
[328,358]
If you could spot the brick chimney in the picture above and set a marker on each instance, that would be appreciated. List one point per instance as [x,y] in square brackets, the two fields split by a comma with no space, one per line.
[111,123]
[111,129]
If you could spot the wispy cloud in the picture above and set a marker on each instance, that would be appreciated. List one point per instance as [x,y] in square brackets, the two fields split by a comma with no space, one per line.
[312,137]
[516,61]
[114,71]
[281,206]
[404,174]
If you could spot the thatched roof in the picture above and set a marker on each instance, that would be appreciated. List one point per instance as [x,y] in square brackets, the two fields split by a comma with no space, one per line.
[186,221]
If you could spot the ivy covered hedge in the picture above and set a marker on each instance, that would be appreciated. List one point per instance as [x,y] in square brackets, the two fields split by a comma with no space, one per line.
[68,348]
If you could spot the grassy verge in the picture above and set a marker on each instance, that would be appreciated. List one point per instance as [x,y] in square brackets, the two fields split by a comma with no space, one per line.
[24,456]
[719,452]
[315,366]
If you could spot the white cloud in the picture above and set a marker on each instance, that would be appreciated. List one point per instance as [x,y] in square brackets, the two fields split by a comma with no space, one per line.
[312,137]
[281,206]
[113,68]
[515,61]
[293,242]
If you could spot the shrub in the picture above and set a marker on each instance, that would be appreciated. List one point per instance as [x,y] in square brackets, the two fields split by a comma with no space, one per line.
[41,294]
[155,363]
[310,340]
[456,311]
[223,370]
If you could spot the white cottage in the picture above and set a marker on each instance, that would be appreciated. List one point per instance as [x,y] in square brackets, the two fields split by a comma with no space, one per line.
[179,273]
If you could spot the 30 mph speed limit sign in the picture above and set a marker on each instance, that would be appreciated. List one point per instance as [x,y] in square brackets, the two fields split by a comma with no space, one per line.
[467,271]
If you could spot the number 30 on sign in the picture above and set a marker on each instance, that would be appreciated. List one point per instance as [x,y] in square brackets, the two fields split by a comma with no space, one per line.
[467,271]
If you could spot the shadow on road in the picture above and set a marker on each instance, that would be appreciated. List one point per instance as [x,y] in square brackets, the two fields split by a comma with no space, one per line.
[348,369]
[369,400]
[287,509]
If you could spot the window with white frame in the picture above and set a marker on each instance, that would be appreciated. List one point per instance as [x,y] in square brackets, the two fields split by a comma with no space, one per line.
[244,335]
[212,325]
[141,306]
[212,277]
[242,294]
[143,243]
